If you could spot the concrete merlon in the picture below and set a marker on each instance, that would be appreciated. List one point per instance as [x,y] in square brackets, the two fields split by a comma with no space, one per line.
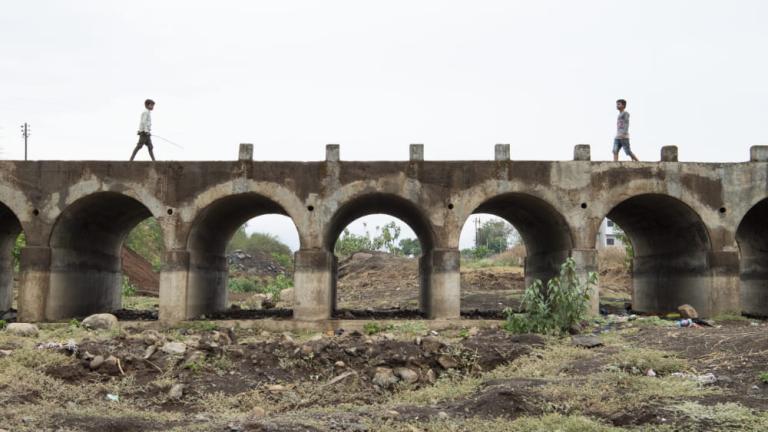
[669,154]
[246,152]
[332,153]
[582,152]
[758,153]
[416,152]
[501,152]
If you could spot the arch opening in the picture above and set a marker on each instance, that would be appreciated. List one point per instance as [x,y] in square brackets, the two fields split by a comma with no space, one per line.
[219,243]
[86,254]
[393,279]
[614,265]
[545,241]
[671,245]
[11,238]
[752,238]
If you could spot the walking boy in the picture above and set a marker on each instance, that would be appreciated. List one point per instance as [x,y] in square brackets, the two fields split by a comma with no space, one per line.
[145,127]
[622,132]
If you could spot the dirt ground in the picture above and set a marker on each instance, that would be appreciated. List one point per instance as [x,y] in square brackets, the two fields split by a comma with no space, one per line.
[405,377]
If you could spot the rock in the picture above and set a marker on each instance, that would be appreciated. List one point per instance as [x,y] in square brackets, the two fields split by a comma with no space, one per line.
[340,364]
[258,412]
[708,378]
[110,365]
[650,373]
[276,388]
[149,351]
[687,311]
[384,377]
[430,377]
[447,362]
[22,329]
[96,362]
[286,295]
[586,341]
[5,353]
[391,414]
[174,348]
[431,344]
[103,321]
[176,391]
[442,415]
[194,360]
[407,375]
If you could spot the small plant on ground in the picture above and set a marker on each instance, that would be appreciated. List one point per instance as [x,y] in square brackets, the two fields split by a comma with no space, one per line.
[127,288]
[372,328]
[74,323]
[763,377]
[555,309]
[3,324]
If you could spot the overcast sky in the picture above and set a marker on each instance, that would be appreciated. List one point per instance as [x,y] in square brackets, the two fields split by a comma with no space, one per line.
[292,76]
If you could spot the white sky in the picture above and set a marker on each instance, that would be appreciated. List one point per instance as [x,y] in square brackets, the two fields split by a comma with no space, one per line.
[292,76]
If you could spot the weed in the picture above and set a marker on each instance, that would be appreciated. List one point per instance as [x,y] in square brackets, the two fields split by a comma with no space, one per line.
[200,326]
[3,324]
[74,323]
[556,309]
[372,328]
[763,377]
[127,288]
[727,416]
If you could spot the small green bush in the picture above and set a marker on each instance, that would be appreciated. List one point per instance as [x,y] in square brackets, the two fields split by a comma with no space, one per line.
[241,285]
[3,323]
[127,288]
[372,328]
[763,377]
[554,310]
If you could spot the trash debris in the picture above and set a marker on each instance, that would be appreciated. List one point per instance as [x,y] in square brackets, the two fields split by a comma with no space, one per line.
[113,397]
[707,378]
[650,373]
[686,322]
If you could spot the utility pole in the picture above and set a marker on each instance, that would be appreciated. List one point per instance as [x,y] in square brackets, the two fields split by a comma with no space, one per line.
[25,133]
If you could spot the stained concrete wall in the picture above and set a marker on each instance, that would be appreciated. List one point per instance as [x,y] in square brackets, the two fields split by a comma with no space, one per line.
[684,224]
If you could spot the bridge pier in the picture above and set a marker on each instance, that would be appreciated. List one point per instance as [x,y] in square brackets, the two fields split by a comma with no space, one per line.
[35,280]
[173,287]
[313,280]
[586,262]
[440,284]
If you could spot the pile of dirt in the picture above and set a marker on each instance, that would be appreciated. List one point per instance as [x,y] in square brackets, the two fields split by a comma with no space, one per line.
[257,264]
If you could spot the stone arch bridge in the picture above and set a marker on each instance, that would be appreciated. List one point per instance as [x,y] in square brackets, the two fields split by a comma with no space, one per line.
[700,230]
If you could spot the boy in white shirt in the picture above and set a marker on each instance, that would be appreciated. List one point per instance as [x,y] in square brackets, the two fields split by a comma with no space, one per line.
[145,129]
[622,132]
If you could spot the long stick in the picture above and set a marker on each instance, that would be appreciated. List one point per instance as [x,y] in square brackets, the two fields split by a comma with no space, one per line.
[168,141]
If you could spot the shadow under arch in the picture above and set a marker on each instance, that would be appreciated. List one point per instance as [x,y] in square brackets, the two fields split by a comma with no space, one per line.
[211,231]
[85,243]
[392,205]
[10,228]
[671,248]
[752,238]
[545,232]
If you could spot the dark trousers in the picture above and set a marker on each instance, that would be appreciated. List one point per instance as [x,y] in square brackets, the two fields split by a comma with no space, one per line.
[144,140]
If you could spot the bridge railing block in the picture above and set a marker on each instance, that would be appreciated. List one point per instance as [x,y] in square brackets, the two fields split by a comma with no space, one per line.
[669,154]
[758,153]
[416,152]
[332,153]
[582,152]
[501,152]
[246,152]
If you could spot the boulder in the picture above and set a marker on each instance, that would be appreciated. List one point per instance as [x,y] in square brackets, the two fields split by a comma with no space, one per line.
[103,321]
[687,311]
[175,348]
[22,329]
[384,377]
[586,341]
[407,375]
[176,391]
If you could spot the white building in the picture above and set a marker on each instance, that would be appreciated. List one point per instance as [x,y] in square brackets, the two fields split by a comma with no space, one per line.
[606,236]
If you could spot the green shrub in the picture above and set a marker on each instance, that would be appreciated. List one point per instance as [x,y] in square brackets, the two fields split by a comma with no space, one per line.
[241,285]
[554,310]
[763,377]
[127,288]
[3,323]
[372,328]
[276,285]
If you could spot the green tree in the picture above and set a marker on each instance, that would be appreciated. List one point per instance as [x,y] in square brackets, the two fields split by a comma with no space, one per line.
[388,235]
[18,245]
[495,235]
[349,243]
[410,247]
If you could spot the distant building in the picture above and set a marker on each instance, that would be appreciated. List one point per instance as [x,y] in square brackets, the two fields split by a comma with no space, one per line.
[606,236]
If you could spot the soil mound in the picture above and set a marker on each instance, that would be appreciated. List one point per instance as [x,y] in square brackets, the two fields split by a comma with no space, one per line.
[256,264]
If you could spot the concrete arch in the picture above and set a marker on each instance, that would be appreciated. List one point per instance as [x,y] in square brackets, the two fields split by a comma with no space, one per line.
[10,228]
[392,205]
[545,231]
[274,197]
[85,243]
[380,203]
[207,239]
[752,239]
[673,250]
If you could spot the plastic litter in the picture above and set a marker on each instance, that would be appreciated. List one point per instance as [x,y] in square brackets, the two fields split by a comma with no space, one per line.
[113,397]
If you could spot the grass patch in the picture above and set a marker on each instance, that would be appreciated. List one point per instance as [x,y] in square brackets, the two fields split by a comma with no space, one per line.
[639,360]
[729,317]
[547,423]
[141,303]
[727,416]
